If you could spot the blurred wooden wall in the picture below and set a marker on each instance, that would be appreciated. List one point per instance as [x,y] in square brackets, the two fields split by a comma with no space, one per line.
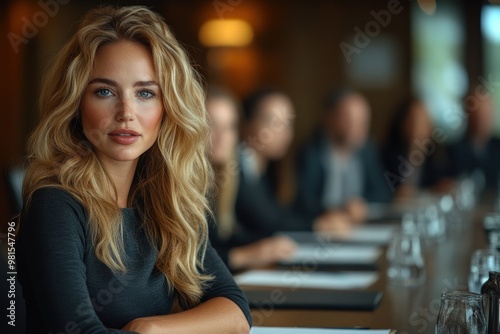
[296,47]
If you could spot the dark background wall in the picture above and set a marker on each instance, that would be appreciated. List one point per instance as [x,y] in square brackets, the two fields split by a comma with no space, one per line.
[296,47]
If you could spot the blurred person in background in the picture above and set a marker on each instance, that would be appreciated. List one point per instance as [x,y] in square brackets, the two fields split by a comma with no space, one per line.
[339,170]
[478,152]
[267,134]
[413,158]
[236,248]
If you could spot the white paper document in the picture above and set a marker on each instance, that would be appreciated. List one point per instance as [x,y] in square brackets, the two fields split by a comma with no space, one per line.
[294,330]
[307,279]
[377,234]
[334,254]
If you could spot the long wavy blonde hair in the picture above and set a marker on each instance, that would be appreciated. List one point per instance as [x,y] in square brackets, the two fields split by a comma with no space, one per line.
[226,174]
[172,177]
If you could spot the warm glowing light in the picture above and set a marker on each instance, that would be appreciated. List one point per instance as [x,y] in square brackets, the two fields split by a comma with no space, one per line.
[226,32]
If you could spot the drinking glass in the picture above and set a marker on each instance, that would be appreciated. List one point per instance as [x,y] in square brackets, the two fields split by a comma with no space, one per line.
[405,261]
[494,240]
[451,214]
[461,313]
[482,262]
[409,223]
[434,223]
[466,194]
[491,223]
[429,222]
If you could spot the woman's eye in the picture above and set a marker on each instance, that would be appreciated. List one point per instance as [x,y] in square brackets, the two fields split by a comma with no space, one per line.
[146,94]
[103,92]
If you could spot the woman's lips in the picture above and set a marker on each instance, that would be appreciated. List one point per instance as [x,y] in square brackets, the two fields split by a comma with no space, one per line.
[124,136]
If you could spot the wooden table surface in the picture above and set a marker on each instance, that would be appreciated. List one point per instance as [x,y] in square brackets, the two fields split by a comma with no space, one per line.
[408,310]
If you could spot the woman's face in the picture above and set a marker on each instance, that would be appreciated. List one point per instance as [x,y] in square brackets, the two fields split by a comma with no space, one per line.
[224,129]
[122,107]
[418,125]
[270,132]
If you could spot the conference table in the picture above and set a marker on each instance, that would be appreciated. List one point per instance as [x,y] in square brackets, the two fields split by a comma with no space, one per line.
[405,309]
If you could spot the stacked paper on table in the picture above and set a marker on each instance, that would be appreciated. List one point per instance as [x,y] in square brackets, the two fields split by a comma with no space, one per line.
[379,234]
[334,254]
[291,330]
[307,279]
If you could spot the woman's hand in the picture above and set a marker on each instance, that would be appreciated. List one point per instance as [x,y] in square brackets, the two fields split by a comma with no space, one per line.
[217,315]
[262,253]
[356,209]
[140,325]
[335,221]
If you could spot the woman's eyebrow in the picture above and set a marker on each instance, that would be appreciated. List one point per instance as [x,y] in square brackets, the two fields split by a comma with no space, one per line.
[103,81]
[115,84]
[146,83]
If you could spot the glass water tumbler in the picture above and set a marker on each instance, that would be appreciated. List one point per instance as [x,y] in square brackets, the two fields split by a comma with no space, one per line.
[461,313]
[405,260]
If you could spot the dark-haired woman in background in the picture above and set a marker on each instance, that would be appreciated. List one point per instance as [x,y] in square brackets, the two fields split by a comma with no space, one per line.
[236,248]
[413,159]
[267,135]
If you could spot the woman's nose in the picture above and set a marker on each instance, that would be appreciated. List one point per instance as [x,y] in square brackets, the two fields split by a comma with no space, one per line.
[125,111]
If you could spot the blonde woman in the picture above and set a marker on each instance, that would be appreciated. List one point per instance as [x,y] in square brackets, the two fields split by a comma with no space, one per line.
[236,247]
[113,234]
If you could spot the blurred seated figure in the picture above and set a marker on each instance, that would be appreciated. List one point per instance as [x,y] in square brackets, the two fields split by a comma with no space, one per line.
[412,155]
[339,170]
[478,152]
[236,248]
[267,134]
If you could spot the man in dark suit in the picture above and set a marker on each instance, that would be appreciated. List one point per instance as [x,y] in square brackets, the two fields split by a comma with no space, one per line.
[339,170]
[477,154]
[268,132]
